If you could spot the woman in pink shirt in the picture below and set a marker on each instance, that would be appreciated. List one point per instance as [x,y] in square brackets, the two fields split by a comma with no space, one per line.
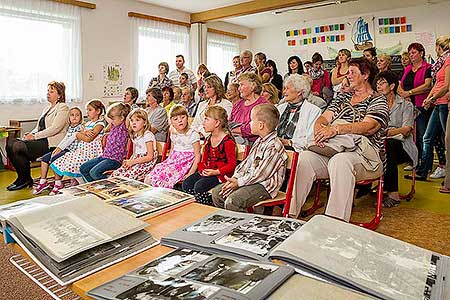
[436,125]
[250,88]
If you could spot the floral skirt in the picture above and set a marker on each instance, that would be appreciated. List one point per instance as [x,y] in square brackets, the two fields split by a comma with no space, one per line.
[137,171]
[69,164]
[172,170]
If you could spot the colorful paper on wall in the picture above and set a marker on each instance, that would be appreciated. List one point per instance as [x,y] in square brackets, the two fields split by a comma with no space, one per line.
[393,25]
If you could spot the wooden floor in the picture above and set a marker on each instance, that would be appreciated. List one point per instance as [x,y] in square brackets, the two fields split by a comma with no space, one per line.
[424,221]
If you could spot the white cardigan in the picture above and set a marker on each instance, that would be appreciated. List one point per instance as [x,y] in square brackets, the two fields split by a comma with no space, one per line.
[304,131]
[56,123]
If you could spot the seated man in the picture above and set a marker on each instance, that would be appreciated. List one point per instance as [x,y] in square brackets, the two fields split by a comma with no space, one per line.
[261,174]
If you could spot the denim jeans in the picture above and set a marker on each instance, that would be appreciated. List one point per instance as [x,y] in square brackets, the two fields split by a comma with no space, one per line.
[421,126]
[93,169]
[435,130]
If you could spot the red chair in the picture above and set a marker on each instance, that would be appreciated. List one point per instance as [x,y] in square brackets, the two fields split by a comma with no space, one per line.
[283,198]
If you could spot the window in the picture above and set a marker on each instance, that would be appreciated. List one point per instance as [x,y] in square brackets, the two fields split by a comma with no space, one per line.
[41,44]
[157,42]
[220,53]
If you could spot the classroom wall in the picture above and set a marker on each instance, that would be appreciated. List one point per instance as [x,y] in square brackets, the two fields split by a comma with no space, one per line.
[106,37]
[430,18]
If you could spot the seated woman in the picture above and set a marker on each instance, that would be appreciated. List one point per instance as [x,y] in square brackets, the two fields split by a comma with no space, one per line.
[250,88]
[276,79]
[384,62]
[400,145]
[130,97]
[270,93]
[187,100]
[157,115]
[295,66]
[50,130]
[362,113]
[297,116]
[167,100]
[215,95]
[161,81]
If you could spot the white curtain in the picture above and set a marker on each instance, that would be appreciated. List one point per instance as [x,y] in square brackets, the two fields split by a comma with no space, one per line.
[220,52]
[155,42]
[40,43]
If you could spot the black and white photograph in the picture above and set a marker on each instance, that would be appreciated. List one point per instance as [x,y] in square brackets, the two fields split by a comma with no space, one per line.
[168,288]
[125,201]
[138,208]
[213,225]
[271,226]
[117,192]
[173,263]
[236,275]
[254,242]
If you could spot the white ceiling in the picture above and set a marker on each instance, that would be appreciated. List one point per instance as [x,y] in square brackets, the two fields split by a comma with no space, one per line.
[345,9]
[193,6]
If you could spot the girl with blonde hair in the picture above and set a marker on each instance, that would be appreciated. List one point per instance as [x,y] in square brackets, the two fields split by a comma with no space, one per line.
[184,152]
[218,157]
[145,153]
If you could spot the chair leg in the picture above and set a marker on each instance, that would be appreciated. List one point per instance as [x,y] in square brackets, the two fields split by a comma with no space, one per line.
[317,203]
[372,225]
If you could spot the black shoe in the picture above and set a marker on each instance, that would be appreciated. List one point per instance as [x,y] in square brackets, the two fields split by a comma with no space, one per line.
[418,177]
[20,185]
[389,202]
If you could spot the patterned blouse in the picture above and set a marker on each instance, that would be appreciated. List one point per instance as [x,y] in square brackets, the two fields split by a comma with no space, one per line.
[154,82]
[116,143]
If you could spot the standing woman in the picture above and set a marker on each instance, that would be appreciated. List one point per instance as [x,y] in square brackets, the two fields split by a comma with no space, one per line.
[50,130]
[321,85]
[437,97]
[338,73]
[295,66]
[231,74]
[415,85]
[161,81]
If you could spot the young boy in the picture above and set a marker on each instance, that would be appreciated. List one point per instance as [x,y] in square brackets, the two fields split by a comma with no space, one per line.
[261,174]
[184,80]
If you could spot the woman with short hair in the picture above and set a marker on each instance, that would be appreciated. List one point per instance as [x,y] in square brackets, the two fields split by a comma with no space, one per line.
[157,115]
[49,131]
[162,80]
[362,118]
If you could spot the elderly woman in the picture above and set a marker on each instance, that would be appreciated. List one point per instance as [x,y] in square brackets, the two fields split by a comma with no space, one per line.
[437,123]
[384,62]
[321,85]
[338,73]
[215,95]
[187,100]
[49,131]
[246,65]
[130,97]
[157,115]
[295,66]
[250,88]
[362,116]
[161,81]
[414,86]
[400,145]
[270,93]
[167,100]
[297,116]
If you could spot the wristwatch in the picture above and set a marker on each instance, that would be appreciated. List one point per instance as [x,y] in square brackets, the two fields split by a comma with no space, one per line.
[410,92]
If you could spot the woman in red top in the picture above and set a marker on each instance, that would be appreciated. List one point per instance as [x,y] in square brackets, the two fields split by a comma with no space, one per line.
[321,79]
[218,157]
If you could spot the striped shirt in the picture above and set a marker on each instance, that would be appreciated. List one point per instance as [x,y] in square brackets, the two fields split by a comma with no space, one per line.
[265,164]
[174,76]
[374,107]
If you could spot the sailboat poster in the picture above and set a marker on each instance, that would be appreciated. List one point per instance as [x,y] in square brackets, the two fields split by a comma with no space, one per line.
[363,32]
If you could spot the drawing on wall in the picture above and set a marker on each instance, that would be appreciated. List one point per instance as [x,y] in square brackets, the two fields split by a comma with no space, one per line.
[113,80]
[361,37]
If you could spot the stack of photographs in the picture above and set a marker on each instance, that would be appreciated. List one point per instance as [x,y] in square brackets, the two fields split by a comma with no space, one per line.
[189,274]
[136,198]
[366,261]
[237,234]
[74,238]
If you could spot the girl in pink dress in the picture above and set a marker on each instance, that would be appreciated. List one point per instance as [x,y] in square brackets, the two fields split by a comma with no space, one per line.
[184,152]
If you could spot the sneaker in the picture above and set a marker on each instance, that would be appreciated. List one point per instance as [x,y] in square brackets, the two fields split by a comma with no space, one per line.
[408,168]
[55,189]
[40,188]
[438,173]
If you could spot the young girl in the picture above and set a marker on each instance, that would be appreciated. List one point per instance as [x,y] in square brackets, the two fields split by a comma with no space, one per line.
[115,147]
[69,143]
[184,152]
[218,157]
[145,153]
[89,146]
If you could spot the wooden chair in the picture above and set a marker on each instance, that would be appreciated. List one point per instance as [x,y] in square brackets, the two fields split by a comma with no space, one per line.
[283,198]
